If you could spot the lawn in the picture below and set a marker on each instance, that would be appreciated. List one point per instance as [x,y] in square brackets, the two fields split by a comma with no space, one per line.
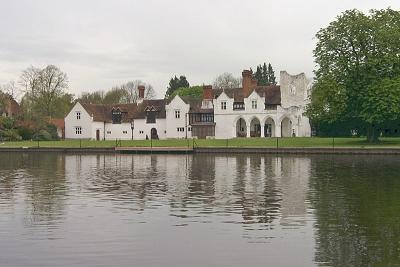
[236,142]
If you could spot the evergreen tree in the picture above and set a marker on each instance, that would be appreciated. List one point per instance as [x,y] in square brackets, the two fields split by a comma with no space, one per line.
[265,75]
[264,80]
[176,83]
[271,75]
[258,74]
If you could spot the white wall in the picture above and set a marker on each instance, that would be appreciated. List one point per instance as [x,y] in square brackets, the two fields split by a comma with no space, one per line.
[141,125]
[173,123]
[226,119]
[116,131]
[71,122]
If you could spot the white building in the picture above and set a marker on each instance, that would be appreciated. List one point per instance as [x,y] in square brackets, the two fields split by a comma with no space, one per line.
[263,111]
[249,111]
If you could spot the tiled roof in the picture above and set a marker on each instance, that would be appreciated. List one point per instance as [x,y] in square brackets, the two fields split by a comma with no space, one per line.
[272,93]
[102,112]
[148,105]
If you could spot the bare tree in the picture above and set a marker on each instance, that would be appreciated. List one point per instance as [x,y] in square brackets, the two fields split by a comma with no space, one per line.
[10,89]
[30,79]
[43,87]
[226,80]
[132,93]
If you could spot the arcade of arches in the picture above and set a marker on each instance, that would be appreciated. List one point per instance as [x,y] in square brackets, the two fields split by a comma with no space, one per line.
[267,129]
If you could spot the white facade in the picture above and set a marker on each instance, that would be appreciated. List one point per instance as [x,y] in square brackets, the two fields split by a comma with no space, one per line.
[79,123]
[286,120]
[253,119]
[177,116]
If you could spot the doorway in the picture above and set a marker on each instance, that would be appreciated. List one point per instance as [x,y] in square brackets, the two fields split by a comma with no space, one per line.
[153,133]
[97,135]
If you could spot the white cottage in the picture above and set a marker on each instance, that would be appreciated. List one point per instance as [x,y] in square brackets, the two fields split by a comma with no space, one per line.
[142,120]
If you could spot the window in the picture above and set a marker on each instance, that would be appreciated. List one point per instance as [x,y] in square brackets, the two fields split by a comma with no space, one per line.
[223,105]
[189,129]
[141,132]
[108,132]
[180,129]
[78,130]
[238,105]
[78,115]
[124,132]
[177,114]
[116,116]
[254,104]
[151,117]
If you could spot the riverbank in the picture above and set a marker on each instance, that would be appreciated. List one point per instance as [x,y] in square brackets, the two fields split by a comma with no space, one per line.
[311,145]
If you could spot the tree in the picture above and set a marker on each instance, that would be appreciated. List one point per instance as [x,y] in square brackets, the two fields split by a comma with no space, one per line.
[271,75]
[226,80]
[132,92]
[121,94]
[358,53]
[265,75]
[96,97]
[43,88]
[176,83]
[193,91]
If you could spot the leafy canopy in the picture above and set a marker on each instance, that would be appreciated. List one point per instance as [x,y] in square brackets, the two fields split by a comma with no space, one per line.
[358,66]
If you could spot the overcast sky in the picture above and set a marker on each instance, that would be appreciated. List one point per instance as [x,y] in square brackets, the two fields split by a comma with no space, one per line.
[101,43]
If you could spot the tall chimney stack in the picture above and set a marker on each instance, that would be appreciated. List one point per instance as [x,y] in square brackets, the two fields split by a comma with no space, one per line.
[248,82]
[141,89]
[207,92]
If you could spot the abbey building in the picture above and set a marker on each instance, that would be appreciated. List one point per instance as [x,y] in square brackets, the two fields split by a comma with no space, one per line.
[248,111]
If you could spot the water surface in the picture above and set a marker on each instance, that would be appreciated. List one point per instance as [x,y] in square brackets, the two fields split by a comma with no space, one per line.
[198,210]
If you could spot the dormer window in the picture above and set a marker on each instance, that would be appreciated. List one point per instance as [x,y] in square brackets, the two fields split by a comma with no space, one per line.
[151,114]
[116,116]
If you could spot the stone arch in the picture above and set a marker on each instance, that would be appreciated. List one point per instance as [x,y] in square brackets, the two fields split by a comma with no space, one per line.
[241,127]
[255,127]
[269,127]
[286,126]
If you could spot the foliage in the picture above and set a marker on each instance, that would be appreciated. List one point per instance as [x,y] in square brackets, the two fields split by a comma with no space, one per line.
[193,91]
[226,80]
[122,94]
[26,133]
[42,135]
[265,75]
[358,59]
[45,92]
[6,122]
[176,83]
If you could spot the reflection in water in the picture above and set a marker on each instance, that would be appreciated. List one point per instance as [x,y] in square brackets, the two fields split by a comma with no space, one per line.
[181,210]
[357,205]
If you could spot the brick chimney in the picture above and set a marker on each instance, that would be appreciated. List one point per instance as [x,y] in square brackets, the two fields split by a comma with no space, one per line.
[248,82]
[141,91]
[207,92]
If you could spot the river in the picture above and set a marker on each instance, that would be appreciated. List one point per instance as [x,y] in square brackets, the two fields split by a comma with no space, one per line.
[198,210]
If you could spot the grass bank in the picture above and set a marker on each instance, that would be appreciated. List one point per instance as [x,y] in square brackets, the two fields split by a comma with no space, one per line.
[298,142]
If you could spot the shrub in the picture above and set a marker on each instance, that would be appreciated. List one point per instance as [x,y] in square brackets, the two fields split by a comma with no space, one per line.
[9,135]
[42,135]
[6,122]
[26,133]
